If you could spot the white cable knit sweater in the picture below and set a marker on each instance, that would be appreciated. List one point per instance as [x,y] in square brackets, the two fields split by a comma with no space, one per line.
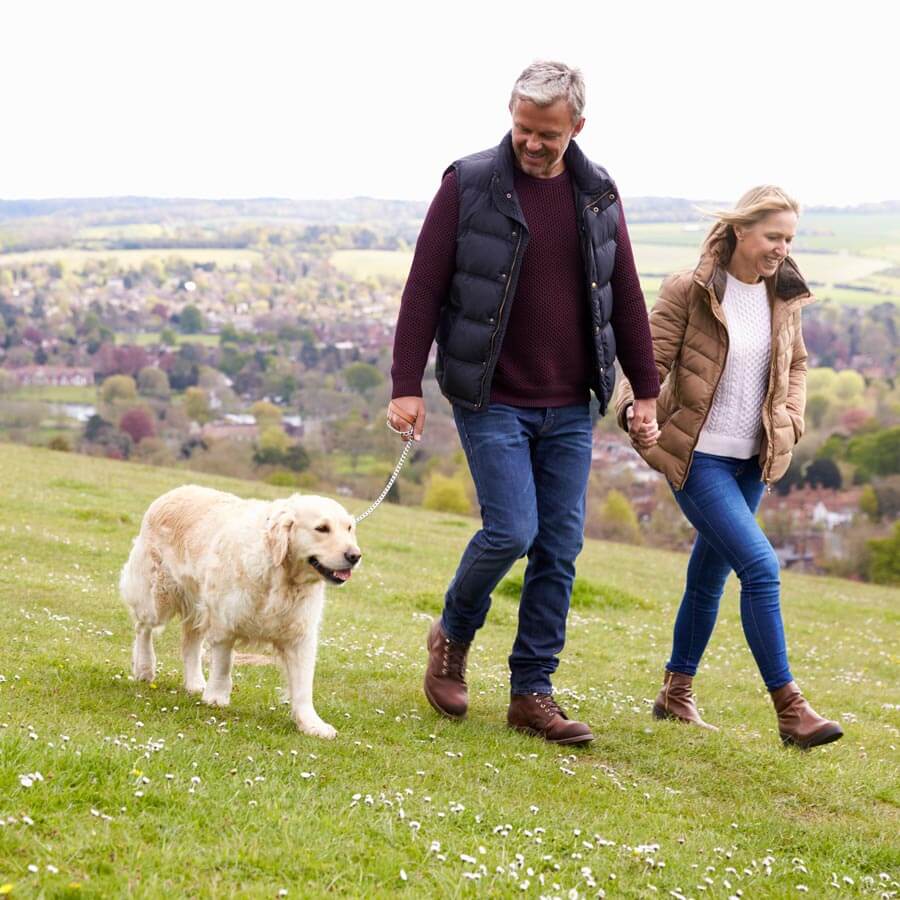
[734,425]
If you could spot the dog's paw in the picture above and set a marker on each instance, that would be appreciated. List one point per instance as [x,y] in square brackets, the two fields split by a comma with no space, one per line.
[195,687]
[317,729]
[216,698]
[143,673]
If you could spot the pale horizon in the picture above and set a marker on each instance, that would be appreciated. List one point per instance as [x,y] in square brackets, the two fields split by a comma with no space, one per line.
[232,101]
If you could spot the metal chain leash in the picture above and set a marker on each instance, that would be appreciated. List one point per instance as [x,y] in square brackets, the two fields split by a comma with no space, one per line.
[394,475]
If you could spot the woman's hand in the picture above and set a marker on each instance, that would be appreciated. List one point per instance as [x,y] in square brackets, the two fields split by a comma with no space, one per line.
[642,427]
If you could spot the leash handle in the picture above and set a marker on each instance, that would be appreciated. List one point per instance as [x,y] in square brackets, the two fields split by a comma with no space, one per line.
[394,475]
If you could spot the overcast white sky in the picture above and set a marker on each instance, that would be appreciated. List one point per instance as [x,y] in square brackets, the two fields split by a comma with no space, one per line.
[340,99]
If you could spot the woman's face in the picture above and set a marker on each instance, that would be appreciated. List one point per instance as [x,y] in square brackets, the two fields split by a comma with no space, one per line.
[761,247]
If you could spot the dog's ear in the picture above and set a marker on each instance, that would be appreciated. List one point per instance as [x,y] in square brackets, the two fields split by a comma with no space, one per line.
[278,535]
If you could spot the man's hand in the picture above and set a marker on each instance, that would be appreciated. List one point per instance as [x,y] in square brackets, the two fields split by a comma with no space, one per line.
[404,413]
[642,425]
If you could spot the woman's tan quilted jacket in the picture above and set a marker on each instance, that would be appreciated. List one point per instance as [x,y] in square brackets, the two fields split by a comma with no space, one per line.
[690,343]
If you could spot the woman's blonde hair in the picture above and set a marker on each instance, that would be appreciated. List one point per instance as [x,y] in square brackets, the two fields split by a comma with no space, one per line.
[754,206]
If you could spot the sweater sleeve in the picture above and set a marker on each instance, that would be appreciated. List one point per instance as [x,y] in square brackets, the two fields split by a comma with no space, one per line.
[426,289]
[631,327]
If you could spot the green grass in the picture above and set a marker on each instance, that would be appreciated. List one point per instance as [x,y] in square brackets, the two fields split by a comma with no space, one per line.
[76,259]
[147,338]
[237,803]
[52,393]
[133,232]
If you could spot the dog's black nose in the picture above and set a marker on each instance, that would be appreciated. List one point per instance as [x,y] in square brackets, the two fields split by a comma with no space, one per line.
[353,558]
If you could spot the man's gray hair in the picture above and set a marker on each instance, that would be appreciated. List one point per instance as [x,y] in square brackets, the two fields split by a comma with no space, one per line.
[545,81]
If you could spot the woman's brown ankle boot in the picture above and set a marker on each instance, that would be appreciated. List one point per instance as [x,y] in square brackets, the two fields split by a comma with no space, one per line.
[676,701]
[798,723]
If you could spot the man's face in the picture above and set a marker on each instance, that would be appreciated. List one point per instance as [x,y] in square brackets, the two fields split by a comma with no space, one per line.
[541,134]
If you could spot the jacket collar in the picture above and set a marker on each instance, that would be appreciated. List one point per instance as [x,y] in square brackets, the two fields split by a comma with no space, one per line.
[786,284]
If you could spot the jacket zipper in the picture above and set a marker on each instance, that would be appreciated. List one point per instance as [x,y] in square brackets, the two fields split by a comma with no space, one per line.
[587,246]
[770,455]
[509,281]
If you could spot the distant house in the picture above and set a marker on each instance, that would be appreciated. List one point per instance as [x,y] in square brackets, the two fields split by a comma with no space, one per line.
[220,430]
[41,376]
[821,515]
[292,425]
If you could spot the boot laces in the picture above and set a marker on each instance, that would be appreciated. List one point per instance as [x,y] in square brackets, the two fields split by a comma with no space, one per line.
[453,660]
[549,705]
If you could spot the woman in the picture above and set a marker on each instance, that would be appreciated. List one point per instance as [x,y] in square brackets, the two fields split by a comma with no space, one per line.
[731,359]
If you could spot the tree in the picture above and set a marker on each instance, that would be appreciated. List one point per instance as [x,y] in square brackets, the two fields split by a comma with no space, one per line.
[138,423]
[816,408]
[617,520]
[298,459]
[95,427]
[362,377]
[884,560]
[267,415]
[820,380]
[849,385]
[273,438]
[153,382]
[875,453]
[446,494]
[667,526]
[868,503]
[271,447]
[191,320]
[183,374]
[118,388]
[824,473]
[887,490]
[196,405]
[229,334]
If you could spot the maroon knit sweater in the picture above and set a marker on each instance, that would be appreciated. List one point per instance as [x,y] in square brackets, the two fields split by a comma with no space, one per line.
[546,356]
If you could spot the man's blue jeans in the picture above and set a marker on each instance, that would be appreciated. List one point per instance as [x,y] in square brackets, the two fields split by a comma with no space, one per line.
[720,498]
[530,468]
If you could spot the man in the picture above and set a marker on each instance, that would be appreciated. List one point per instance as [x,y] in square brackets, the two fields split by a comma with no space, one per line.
[524,273]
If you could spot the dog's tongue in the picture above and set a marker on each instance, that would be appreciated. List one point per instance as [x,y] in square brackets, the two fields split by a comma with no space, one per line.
[342,574]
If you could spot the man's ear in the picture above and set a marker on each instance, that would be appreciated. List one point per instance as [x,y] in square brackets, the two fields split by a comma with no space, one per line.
[578,126]
[278,535]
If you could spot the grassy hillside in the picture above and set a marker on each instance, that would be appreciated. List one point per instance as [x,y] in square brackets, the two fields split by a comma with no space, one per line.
[143,791]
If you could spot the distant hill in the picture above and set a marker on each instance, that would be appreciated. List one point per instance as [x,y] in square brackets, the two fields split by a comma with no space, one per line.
[128,210]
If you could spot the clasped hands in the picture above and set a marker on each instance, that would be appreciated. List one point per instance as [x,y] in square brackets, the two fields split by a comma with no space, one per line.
[642,426]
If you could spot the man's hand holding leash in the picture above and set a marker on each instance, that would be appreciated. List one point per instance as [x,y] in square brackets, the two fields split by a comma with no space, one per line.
[406,416]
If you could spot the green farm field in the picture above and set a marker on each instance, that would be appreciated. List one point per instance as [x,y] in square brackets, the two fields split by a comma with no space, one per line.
[361,264]
[851,259]
[148,338]
[113,788]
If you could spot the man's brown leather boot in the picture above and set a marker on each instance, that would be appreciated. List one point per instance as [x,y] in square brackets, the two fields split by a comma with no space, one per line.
[798,723]
[445,675]
[540,715]
[676,701]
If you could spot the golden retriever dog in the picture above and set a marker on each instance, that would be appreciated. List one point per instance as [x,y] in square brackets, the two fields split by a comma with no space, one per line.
[238,571]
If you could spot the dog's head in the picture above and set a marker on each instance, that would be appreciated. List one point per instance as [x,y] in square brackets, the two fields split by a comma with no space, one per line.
[315,532]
